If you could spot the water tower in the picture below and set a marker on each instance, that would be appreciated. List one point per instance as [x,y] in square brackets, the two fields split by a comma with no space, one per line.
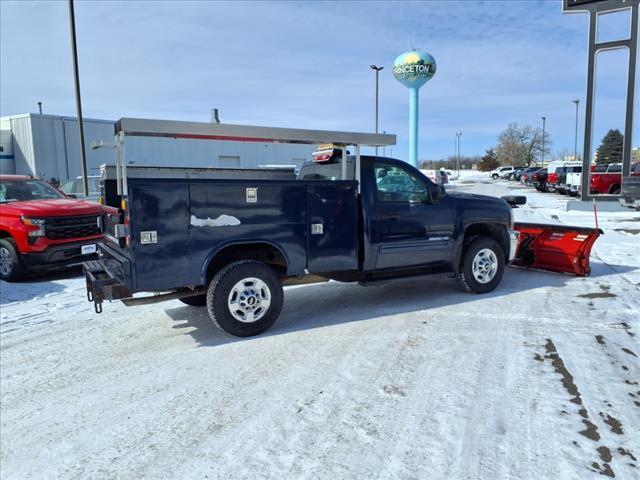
[413,69]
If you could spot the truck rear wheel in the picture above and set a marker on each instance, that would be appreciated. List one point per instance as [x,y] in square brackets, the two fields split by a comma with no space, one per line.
[482,266]
[245,298]
[11,267]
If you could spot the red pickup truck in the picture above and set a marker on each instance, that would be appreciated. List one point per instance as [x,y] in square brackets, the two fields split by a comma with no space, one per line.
[42,228]
[607,179]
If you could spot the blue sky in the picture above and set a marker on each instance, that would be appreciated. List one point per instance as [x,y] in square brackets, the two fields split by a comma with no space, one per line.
[295,64]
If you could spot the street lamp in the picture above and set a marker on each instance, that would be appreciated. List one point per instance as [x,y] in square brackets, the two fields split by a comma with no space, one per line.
[76,77]
[543,124]
[575,144]
[458,135]
[377,70]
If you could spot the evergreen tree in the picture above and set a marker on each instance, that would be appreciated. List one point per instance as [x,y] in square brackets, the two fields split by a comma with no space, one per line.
[489,161]
[610,150]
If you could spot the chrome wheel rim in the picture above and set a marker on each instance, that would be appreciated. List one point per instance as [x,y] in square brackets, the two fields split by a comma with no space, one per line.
[6,262]
[249,300]
[485,265]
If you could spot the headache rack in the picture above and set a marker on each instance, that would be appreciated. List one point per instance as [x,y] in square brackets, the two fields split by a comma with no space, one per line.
[136,127]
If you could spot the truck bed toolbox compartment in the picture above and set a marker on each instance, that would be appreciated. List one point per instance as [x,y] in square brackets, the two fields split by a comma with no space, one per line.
[332,230]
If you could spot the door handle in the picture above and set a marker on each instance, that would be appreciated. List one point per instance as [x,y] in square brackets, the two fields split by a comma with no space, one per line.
[391,215]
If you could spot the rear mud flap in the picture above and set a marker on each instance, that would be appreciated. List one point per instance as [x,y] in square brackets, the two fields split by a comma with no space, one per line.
[558,248]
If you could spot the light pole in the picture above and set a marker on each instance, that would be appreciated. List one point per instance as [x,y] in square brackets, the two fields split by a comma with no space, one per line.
[384,148]
[377,70]
[575,143]
[458,135]
[543,124]
[76,76]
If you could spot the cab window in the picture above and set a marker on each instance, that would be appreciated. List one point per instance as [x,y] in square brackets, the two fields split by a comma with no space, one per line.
[395,184]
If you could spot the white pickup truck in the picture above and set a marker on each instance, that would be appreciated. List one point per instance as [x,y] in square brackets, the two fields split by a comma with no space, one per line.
[501,172]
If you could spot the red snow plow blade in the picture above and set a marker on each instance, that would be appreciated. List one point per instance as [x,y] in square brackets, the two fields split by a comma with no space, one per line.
[558,248]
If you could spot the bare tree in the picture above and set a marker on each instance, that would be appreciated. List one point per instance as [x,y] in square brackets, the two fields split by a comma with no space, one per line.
[565,154]
[521,145]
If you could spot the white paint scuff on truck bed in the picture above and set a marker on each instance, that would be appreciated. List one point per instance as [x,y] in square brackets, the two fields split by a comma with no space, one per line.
[222,221]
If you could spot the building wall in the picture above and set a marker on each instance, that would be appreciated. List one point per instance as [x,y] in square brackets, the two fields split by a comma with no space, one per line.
[48,146]
[7,160]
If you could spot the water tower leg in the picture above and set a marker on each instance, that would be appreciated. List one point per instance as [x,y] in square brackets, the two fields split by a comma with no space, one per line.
[413,127]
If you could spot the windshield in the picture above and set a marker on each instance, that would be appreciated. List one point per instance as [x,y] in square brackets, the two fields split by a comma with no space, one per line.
[25,190]
[75,186]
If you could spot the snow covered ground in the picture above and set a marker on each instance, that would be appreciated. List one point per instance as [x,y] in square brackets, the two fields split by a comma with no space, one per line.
[411,379]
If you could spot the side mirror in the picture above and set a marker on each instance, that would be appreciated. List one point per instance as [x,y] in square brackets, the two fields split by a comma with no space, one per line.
[436,192]
[515,200]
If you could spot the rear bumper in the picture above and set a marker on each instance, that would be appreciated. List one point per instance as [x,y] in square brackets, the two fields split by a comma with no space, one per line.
[58,255]
[102,281]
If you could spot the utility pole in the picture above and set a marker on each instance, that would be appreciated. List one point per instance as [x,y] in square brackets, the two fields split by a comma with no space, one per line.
[543,124]
[377,70]
[458,135]
[575,144]
[384,147]
[76,75]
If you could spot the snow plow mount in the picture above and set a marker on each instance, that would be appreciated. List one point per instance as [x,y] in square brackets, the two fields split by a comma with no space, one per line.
[557,248]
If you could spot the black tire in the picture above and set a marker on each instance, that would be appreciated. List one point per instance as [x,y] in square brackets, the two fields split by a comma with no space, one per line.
[466,278]
[615,191]
[15,270]
[195,300]
[221,287]
[494,176]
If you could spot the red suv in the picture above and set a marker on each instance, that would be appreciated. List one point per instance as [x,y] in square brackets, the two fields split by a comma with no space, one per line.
[41,228]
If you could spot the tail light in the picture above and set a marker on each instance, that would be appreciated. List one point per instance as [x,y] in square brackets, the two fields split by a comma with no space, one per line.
[125,219]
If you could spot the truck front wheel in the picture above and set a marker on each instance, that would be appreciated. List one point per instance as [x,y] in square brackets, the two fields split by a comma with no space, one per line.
[482,266]
[245,298]
[10,263]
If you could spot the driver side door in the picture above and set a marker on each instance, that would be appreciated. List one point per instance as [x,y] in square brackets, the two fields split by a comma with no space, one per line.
[409,228]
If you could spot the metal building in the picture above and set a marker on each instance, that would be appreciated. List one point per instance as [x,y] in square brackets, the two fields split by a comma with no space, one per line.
[48,146]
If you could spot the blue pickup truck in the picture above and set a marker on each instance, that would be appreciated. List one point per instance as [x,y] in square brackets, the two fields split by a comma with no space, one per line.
[230,240]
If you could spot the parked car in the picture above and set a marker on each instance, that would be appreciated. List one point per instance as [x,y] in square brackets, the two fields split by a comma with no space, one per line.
[539,180]
[552,178]
[630,194]
[517,173]
[573,182]
[561,176]
[526,177]
[501,172]
[606,179]
[42,228]
[75,189]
